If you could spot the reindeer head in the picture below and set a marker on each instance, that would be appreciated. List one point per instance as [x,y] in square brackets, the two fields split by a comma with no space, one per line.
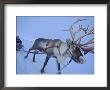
[75,52]
[77,49]
[77,55]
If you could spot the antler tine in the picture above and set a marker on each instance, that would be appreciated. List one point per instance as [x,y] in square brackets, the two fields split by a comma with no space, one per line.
[84,36]
[84,29]
[86,33]
[89,42]
[92,30]
[78,21]
[72,33]
[86,50]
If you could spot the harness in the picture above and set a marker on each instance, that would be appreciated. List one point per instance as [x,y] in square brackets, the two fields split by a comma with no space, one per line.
[57,45]
[69,48]
[70,59]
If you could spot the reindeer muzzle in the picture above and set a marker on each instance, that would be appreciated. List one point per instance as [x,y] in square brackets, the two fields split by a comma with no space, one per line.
[82,60]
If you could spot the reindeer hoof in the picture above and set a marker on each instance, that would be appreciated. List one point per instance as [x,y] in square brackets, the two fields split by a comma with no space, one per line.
[25,56]
[59,72]
[34,61]
[42,71]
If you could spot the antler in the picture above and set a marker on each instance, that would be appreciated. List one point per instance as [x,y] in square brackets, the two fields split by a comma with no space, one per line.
[85,46]
[89,42]
[86,32]
[72,31]
[86,50]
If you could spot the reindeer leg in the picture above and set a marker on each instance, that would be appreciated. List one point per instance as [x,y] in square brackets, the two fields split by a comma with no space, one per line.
[58,66]
[45,63]
[28,52]
[58,58]
[34,56]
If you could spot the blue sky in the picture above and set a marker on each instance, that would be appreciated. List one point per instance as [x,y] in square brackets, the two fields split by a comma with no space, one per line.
[48,27]
[33,27]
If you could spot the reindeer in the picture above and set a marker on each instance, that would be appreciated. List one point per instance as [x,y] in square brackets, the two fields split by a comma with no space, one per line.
[61,50]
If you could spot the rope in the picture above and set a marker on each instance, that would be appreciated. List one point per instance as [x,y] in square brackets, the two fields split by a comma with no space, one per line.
[32,52]
[66,65]
[68,62]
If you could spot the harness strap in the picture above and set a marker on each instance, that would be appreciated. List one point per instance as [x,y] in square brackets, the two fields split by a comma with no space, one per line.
[57,46]
[69,60]
[66,64]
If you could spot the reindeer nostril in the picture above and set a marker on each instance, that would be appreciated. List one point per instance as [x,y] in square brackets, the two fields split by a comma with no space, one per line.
[82,59]
[82,62]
